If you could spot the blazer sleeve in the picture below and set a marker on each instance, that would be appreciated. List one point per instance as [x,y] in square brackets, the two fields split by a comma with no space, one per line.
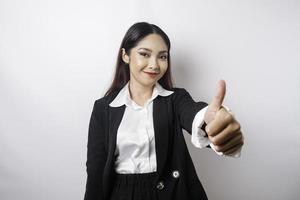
[96,155]
[186,108]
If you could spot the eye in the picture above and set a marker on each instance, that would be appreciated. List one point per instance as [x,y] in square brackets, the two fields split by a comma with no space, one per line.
[144,54]
[164,57]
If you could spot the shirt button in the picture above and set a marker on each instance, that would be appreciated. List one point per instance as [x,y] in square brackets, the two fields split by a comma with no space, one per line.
[175,174]
[160,185]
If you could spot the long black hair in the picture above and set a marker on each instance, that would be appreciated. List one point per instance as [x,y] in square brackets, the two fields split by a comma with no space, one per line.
[133,35]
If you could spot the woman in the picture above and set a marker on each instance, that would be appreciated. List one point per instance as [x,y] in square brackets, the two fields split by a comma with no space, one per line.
[136,148]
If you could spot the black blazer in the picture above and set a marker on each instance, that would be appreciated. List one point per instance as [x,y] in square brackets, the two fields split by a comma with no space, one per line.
[170,115]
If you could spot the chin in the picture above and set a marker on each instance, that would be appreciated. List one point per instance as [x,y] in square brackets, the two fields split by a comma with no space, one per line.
[148,84]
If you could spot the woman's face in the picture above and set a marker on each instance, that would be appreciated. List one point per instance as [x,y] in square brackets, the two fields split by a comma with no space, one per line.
[148,61]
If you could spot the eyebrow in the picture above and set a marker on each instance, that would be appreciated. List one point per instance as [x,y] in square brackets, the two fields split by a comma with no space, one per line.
[151,51]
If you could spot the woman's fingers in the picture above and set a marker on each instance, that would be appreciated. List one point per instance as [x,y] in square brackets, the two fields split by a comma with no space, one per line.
[231,143]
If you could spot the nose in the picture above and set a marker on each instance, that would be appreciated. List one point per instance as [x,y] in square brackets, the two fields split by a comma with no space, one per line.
[153,64]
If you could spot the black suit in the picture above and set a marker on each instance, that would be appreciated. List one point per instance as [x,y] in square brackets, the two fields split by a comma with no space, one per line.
[170,115]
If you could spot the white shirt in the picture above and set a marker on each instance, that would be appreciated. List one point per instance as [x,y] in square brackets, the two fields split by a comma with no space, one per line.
[135,145]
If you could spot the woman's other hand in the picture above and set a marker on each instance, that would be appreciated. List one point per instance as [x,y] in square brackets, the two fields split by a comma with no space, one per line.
[223,130]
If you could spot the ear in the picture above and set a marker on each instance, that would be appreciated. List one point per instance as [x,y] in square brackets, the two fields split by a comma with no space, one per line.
[125,57]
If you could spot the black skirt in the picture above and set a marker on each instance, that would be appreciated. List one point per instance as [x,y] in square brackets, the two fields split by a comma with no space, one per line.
[135,187]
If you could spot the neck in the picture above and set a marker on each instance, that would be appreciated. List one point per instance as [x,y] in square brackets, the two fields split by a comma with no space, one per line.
[138,91]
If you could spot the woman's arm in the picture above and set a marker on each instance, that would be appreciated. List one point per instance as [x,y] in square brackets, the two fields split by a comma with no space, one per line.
[186,108]
[96,155]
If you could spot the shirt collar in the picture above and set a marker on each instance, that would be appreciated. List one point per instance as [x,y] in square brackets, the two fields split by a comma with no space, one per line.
[124,96]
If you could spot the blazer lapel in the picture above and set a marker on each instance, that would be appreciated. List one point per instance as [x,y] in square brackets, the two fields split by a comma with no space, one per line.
[115,118]
[161,132]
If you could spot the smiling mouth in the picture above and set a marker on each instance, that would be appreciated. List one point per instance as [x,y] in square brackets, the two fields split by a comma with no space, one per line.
[151,74]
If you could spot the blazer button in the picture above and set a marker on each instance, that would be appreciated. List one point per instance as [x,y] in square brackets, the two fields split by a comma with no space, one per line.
[160,185]
[175,174]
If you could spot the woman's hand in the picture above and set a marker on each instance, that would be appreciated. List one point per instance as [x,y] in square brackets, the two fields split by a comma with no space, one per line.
[223,130]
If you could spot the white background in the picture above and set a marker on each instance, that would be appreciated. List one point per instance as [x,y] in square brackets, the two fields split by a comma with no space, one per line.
[58,56]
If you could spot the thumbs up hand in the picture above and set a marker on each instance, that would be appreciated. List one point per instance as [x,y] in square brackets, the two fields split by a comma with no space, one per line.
[222,128]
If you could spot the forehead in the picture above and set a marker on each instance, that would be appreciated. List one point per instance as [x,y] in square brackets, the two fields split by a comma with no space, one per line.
[152,42]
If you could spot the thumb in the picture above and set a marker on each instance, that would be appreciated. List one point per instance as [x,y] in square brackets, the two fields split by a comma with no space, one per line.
[216,102]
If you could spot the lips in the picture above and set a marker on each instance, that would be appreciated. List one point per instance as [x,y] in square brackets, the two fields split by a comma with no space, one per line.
[152,74]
